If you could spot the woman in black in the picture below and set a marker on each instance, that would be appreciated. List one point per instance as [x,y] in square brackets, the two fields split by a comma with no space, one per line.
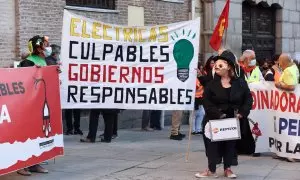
[224,97]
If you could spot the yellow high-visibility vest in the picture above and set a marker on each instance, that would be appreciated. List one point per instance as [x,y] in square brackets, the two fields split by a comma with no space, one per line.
[290,75]
[255,76]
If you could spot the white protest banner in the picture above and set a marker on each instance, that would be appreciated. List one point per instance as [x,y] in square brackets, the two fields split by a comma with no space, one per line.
[278,116]
[114,66]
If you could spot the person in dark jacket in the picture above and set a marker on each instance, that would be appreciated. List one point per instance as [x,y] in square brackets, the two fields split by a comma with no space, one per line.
[269,72]
[225,97]
[38,50]
[155,119]
[109,116]
[207,76]
[69,114]
[54,58]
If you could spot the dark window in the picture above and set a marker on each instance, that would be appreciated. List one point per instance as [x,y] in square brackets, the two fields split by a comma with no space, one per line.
[102,4]
[259,29]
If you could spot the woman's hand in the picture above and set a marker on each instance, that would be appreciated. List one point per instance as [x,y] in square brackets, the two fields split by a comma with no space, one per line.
[58,70]
[223,116]
[198,72]
[239,116]
[278,85]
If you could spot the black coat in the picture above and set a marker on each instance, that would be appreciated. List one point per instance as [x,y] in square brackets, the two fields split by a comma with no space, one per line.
[26,63]
[216,100]
[216,103]
[204,80]
[51,61]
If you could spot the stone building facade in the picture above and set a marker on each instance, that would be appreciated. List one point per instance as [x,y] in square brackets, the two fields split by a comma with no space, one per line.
[267,26]
[22,19]
[275,23]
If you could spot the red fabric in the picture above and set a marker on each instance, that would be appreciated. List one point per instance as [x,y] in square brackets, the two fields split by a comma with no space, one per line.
[248,69]
[255,130]
[217,36]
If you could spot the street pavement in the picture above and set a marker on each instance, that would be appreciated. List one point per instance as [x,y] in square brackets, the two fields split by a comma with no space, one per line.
[138,155]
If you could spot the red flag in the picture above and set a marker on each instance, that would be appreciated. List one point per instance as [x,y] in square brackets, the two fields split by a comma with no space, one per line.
[217,36]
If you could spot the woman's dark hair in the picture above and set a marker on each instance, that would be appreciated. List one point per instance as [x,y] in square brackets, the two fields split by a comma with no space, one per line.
[270,63]
[276,57]
[207,67]
[232,72]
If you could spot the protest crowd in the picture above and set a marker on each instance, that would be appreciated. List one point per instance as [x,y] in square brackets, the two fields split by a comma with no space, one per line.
[222,91]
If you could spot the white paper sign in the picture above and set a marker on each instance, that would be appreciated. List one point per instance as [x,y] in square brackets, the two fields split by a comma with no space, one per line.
[225,129]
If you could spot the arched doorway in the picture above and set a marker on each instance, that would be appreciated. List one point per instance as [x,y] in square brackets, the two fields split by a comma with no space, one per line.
[258,33]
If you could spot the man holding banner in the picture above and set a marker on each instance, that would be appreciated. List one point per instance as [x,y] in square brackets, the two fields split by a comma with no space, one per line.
[109,117]
[289,78]
[39,51]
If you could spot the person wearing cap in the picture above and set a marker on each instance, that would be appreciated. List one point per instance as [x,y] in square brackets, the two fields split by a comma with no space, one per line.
[251,70]
[38,52]
[225,97]
[39,49]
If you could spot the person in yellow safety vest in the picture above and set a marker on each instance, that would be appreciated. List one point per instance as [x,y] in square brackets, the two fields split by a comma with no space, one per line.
[248,64]
[290,76]
[199,110]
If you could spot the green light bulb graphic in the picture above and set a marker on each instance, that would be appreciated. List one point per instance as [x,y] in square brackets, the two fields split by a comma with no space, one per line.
[183,53]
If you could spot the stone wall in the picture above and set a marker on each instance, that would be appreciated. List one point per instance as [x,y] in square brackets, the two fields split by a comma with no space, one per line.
[7,33]
[234,32]
[38,17]
[45,17]
[287,24]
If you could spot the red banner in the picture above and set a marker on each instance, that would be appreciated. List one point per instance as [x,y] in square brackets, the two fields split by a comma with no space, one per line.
[30,117]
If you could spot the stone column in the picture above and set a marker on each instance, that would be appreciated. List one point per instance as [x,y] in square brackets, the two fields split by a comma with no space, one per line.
[208,27]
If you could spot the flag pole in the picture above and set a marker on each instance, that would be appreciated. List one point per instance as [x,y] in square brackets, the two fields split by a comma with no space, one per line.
[191,123]
[225,39]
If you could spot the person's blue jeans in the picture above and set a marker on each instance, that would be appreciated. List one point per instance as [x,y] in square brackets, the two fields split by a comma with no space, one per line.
[199,115]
